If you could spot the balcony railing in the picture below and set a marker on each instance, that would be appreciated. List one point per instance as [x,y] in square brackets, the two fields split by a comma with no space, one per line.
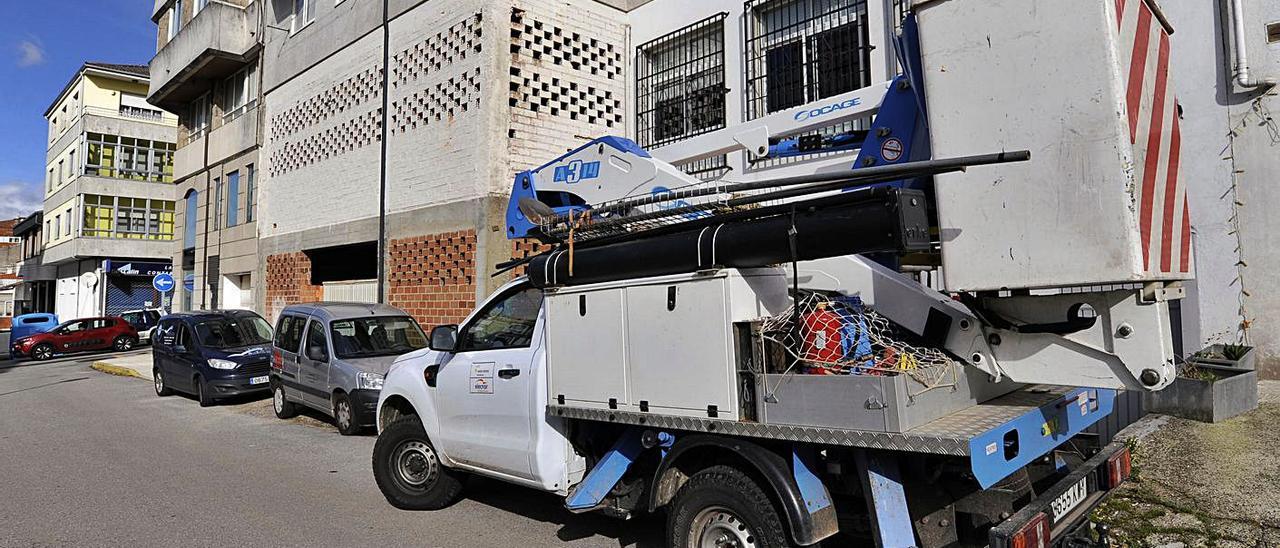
[133,113]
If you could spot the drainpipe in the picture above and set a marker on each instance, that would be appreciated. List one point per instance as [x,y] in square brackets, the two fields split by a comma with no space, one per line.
[1242,56]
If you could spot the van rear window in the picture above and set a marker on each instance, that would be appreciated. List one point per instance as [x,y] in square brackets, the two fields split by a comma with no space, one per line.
[289,333]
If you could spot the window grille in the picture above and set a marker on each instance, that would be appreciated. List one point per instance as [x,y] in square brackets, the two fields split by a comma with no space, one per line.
[800,51]
[680,89]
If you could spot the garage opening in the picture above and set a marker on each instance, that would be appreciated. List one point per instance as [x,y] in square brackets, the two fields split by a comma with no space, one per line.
[348,273]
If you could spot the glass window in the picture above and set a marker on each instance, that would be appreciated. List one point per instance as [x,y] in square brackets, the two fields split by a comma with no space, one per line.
[233,198]
[505,323]
[800,51]
[233,332]
[217,202]
[379,336]
[127,158]
[238,93]
[680,87]
[189,220]
[175,19]
[317,347]
[248,194]
[304,11]
[289,333]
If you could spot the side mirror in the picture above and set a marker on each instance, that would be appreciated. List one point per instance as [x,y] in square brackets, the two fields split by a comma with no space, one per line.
[317,353]
[444,338]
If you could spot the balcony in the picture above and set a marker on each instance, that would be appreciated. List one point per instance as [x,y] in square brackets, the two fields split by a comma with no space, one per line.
[214,44]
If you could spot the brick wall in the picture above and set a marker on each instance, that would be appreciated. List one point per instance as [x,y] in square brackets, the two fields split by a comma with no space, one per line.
[432,277]
[526,247]
[289,282]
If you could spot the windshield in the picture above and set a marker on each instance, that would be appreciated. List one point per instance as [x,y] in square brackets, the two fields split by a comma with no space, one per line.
[379,336]
[233,332]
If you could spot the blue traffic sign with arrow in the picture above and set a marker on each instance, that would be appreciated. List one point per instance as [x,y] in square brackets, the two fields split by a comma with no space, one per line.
[163,282]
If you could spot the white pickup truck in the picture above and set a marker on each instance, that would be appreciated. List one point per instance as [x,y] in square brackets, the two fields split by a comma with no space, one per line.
[478,402]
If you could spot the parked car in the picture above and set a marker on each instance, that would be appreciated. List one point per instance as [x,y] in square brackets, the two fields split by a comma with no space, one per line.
[332,357]
[145,321]
[76,336]
[26,325]
[211,355]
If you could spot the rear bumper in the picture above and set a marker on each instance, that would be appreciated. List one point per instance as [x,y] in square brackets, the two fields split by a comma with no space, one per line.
[1074,528]
[365,405]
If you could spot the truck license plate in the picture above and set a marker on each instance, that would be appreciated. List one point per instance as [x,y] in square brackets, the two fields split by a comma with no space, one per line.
[259,380]
[1068,501]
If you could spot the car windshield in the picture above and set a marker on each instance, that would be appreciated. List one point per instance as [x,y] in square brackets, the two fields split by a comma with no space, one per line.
[233,332]
[378,336]
[134,318]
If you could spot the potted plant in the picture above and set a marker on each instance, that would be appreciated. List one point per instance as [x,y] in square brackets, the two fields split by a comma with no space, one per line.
[1236,356]
[1212,386]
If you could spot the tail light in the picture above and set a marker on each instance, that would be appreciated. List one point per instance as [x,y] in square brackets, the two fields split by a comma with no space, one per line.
[1119,466]
[1035,534]
[277,360]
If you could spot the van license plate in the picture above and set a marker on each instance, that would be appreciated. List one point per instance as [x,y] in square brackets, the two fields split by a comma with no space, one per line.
[1068,501]
[259,380]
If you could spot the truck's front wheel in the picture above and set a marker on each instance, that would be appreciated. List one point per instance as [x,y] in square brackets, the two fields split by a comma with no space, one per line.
[408,470]
[722,507]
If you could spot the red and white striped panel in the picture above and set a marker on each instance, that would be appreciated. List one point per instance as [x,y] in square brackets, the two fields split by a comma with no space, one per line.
[1163,220]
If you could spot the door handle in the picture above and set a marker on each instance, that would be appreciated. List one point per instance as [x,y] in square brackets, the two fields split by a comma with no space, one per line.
[508,373]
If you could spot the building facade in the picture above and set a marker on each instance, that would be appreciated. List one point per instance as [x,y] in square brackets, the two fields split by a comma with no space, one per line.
[36,291]
[10,256]
[475,92]
[207,70]
[109,195]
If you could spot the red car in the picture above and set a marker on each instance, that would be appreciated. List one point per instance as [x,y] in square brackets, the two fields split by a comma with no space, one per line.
[78,335]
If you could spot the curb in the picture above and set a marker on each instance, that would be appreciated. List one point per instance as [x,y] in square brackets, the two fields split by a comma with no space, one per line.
[116,370]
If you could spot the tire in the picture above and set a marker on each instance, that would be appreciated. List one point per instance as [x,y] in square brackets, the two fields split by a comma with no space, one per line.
[42,352]
[721,506]
[284,408]
[408,470]
[124,343]
[162,389]
[344,417]
[202,393]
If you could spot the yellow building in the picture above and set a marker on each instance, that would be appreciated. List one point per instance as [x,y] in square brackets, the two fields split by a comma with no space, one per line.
[109,192]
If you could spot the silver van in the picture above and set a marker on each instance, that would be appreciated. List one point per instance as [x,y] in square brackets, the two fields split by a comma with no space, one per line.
[332,357]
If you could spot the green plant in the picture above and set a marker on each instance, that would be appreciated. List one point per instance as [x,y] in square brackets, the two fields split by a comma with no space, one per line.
[1234,351]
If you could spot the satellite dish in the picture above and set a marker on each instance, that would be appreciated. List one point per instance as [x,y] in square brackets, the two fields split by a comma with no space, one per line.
[89,279]
[535,210]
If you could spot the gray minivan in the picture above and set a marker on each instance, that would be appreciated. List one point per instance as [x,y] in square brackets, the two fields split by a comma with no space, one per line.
[332,357]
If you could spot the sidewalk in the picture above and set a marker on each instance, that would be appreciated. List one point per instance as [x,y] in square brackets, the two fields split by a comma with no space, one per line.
[127,365]
[1198,484]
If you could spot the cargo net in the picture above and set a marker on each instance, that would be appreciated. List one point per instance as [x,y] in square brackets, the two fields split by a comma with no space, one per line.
[841,336]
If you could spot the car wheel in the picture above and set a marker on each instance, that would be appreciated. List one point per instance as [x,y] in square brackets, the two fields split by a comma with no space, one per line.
[284,408]
[721,506]
[408,470]
[42,352]
[162,389]
[202,393]
[123,343]
[344,417]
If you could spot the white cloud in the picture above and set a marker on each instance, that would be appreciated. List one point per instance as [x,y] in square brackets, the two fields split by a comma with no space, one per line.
[30,53]
[19,199]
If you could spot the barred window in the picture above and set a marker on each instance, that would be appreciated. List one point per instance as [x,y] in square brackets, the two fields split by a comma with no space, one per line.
[800,51]
[680,87]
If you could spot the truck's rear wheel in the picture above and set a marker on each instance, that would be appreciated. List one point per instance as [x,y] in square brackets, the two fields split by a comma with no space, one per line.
[722,507]
[408,470]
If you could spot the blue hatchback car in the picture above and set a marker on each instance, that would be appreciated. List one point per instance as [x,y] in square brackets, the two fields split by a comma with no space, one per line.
[211,354]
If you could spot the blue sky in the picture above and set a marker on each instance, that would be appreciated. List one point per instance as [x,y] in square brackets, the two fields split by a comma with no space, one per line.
[42,44]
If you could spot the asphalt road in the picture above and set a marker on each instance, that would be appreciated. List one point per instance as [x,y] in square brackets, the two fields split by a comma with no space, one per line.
[89,459]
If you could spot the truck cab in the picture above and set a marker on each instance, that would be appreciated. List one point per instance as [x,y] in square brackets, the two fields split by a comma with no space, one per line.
[480,395]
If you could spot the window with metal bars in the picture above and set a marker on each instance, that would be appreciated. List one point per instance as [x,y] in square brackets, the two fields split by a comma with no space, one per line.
[680,83]
[798,51]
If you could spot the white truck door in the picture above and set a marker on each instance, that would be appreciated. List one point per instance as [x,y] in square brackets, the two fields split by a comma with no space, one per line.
[485,419]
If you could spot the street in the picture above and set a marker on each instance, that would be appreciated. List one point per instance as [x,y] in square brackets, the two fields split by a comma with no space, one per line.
[90,459]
